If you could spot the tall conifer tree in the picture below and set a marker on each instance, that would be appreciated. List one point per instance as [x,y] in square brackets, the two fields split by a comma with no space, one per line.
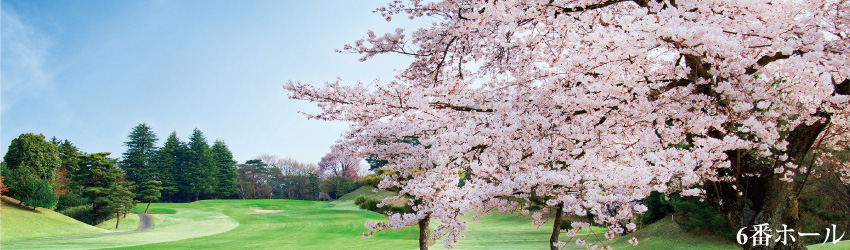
[68,157]
[138,162]
[99,177]
[199,166]
[225,170]
[170,162]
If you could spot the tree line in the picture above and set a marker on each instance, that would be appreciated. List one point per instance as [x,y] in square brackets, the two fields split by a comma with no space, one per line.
[92,187]
[274,177]
[189,171]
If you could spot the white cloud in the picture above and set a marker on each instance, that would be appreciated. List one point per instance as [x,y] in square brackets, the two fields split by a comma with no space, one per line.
[22,65]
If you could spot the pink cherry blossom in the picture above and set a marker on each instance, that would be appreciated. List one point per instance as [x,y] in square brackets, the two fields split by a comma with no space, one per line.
[587,103]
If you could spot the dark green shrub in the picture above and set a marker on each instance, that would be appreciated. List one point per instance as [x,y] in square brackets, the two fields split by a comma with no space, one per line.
[658,208]
[371,180]
[371,204]
[30,190]
[70,200]
[366,203]
[701,216]
[81,213]
[337,186]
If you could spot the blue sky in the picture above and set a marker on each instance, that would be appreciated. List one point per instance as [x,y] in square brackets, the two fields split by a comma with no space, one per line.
[88,71]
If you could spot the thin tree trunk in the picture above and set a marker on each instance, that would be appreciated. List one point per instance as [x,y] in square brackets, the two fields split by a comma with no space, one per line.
[117,219]
[556,227]
[149,206]
[424,232]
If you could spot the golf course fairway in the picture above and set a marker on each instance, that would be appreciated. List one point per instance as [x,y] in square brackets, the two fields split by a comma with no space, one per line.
[295,224]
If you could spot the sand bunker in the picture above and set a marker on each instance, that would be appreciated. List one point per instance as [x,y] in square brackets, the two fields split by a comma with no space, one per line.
[264,211]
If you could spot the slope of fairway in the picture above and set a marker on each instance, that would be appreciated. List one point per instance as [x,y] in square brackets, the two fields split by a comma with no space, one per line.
[18,223]
[184,224]
[291,224]
[295,224]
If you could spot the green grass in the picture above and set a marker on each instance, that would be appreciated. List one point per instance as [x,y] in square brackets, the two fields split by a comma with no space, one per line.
[186,223]
[130,223]
[157,211]
[17,223]
[841,245]
[666,234]
[293,224]
[300,225]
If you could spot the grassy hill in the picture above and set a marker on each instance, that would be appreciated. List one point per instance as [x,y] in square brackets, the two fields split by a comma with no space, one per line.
[180,223]
[22,223]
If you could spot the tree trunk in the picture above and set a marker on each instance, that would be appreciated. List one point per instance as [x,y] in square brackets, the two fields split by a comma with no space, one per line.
[763,197]
[556,227]
[424,232]
[117,219]
[149,206]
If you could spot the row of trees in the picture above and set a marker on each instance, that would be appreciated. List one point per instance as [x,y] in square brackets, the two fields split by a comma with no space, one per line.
[92,187]
[271,176]
[39,173]
[188,171]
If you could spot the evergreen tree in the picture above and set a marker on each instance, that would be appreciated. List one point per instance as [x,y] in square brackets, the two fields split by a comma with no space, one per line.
[225,169]
[138,160]
[68,158]
[32,151]
[121,197]
[199,166]
[29,161]
[99,176]
[170,162]
[151,191]
[31,190]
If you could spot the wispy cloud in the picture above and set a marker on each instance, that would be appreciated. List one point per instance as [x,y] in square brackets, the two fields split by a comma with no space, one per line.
[23,53]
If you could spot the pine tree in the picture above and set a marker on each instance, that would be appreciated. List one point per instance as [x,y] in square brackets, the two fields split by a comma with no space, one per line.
[225,169]
[138,162]
[68,158]
[122,200]
[170,162]
[199,164]
[150,192]
[99,176]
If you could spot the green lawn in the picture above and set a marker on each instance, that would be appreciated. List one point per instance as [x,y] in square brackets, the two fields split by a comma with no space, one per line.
[292,224]
[129,223]
[17,223]
[184,224]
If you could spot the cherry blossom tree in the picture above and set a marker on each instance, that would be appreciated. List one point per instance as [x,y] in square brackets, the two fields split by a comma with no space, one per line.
[338,163]
[590,105]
